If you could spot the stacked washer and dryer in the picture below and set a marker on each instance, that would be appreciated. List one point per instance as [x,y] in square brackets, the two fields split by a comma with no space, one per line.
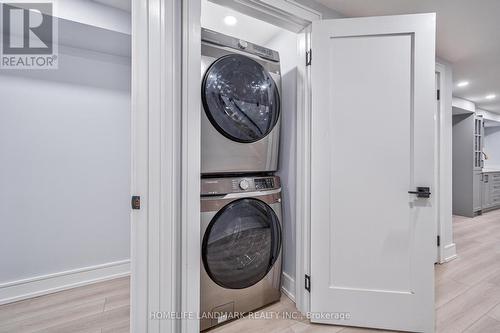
[241,236]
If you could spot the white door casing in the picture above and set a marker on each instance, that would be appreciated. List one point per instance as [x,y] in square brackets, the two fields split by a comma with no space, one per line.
[165,231]
[372,141]
[437,164]
[190,299]
[165,164]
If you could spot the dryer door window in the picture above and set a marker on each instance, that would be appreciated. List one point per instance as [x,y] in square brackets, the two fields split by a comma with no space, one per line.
[241,243]
[240,98]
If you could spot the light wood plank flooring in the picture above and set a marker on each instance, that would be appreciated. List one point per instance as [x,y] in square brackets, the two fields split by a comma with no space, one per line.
[467,297]
[99,308]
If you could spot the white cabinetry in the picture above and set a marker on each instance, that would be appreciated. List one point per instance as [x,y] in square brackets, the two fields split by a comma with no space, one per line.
[478,142]
[491,190]
[486,197]
[468,134]
[477,195]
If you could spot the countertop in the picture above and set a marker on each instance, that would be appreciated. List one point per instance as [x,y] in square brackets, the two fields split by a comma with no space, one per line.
[490,170]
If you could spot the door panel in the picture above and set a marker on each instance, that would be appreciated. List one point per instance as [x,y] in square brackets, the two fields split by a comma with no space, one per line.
[373,243]
[373,148]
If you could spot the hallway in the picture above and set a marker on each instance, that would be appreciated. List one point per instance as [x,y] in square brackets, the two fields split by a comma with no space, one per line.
[468,288]
[467,297]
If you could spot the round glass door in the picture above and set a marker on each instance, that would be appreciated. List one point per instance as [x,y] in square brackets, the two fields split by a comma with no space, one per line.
[241,243]
[240,98]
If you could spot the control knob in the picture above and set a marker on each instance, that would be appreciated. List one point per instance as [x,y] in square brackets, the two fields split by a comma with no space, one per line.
[242,44]
[244,184]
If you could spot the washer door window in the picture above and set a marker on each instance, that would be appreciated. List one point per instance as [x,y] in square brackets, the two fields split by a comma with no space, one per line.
[240,98]
[241,243]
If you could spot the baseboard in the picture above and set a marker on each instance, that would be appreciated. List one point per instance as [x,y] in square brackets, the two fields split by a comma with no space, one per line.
[288,286]
[22,289]
[449,253]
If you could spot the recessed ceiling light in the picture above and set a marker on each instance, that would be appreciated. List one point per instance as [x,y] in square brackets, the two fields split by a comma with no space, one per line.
[230,20]
[463,84]
[491,96]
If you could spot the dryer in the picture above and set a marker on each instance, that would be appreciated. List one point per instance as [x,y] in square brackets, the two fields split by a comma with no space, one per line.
[240,246]
[241,116]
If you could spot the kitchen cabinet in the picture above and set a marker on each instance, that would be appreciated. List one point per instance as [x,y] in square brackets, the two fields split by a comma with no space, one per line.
[477,192]
[490,190]
[478,163]
[486,197]
[495,190]
[478,142]
[468,137]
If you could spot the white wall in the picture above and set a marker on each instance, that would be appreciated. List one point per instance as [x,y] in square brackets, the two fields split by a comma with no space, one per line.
[93,13]
[65,168]
[286,44]
[325,11]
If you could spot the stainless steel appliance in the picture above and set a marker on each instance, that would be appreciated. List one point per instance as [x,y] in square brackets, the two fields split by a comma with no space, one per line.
[240,246]
[240,92]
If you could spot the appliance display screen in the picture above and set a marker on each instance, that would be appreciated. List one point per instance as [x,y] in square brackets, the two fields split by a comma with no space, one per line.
[264,183]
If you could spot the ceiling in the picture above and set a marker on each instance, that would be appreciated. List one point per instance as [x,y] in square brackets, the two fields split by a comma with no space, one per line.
[125,5]
[247,27]
[467,36]
[212,17]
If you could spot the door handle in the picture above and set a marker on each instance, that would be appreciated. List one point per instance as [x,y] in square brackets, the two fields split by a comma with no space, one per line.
[422,192]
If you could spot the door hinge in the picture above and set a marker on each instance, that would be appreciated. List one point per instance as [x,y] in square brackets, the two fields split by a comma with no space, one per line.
[136,202]
[307,283]
[308,57]
[438,241]
[438,95]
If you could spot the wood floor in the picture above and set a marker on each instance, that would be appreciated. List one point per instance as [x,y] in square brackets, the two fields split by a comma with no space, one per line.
[99,308]
[467,297]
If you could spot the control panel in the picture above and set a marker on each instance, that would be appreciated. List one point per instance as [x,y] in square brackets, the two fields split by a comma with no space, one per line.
[218,186]
[216,38]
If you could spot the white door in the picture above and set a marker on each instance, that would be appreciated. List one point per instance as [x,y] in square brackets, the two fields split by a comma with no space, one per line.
[373,104]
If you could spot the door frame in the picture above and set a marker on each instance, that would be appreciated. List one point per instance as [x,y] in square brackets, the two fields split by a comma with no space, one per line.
[443,145]
[165,231]
[165,164]
[282,13]
[437,162]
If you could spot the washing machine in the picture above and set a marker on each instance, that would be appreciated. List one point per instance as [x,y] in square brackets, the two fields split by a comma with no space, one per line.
[240,246]
[240,94]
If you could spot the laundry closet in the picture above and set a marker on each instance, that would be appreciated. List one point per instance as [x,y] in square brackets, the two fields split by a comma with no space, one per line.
[248,138]
[268,163]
